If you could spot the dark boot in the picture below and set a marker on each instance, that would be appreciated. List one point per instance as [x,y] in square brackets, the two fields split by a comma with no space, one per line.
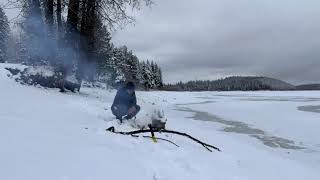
[119,112]
[119,118]
[130,116]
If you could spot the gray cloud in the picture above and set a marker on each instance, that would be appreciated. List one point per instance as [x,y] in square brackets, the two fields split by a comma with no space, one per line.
[209,39]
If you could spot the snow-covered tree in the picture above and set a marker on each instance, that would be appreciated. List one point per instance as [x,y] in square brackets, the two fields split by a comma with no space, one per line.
[146,75]
[131,68]
[80,45]
[104,50]
[157,75]
[118,64]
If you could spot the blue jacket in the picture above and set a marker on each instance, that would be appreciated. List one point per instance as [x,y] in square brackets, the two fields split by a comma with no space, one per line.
[124,99]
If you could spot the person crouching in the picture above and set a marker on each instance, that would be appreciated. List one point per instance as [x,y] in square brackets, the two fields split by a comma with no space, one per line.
[125,103]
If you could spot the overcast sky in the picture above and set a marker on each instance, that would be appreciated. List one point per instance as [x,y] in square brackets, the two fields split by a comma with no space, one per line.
[209,39]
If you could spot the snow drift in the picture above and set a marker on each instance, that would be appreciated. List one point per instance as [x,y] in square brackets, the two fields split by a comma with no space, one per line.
[53,136]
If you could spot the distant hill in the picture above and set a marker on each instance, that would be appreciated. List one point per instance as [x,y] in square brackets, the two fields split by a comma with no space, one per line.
[308,87]
[276,84]
[254,83]
[234,83]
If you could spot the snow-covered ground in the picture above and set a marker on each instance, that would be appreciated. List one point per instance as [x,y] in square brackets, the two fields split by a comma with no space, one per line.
[47,135]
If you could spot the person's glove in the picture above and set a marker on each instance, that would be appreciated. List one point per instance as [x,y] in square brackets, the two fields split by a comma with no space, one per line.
[131,110]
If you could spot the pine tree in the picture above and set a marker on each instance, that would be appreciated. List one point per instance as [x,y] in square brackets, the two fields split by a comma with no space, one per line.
[84,42]
[130,66]
[153,74]
[49,6]
[118,64]
[59,20]
[157,74]
[104,51]
[160,78]
[4,35]
[34,35]
[144,78]
[72,22]
[147,75]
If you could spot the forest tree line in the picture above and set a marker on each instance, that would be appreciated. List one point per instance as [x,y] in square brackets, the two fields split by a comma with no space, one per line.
[234,83]
[73,36]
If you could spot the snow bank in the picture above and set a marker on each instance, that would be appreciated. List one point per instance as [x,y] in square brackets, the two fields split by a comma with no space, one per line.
[44,71]
[53,136]
[43,76]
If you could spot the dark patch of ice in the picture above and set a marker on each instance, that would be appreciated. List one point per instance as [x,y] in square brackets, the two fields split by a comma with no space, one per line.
[204,97]
[195,103]
[281,99]
[311,108]
[243,128]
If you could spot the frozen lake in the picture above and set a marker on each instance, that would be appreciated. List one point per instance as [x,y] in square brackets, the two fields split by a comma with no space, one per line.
[281,121]
[279,113]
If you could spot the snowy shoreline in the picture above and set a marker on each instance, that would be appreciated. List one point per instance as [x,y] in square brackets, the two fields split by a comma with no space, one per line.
[49,135]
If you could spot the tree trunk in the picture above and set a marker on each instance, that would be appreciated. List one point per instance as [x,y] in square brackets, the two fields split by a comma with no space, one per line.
[91,25]
[72,21]
[83,40]
[59,19]
[72,40]
[49,16]
[36,8]
[87,41]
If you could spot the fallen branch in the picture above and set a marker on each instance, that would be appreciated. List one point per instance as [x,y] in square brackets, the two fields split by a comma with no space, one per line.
[194,139]
[205,145]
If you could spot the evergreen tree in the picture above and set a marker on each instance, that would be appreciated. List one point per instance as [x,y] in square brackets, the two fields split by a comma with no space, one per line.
[144,77]
[4,35]
[49,14]
[34,35]
[153,74]
[83,46]
[148,75]
[157,75]
[160,78]
[118,63]
[105,66]
[59,21]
